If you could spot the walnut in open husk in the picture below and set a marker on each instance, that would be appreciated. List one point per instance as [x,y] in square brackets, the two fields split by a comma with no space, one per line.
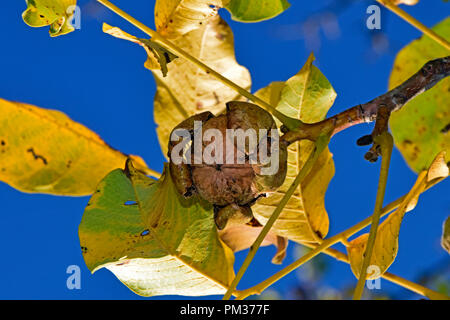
[234,176]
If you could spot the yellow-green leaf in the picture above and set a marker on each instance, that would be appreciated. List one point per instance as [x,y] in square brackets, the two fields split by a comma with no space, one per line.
[44,151]
[386,243]
[57,14]
[152,240]
[187,90]
[256,10]
[306,96]
[422,127]
[174,18]
[157,56]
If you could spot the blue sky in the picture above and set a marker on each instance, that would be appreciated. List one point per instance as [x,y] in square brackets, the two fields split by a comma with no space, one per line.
[100,82]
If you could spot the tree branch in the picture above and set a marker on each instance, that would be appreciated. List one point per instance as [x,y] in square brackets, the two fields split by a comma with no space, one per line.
[428,76]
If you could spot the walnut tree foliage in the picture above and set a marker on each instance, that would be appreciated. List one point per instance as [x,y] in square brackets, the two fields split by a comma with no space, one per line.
[158,242]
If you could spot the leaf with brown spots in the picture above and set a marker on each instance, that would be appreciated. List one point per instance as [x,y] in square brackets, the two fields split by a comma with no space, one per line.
[44,151]
[174,18]
[421,127]
[153,241]
[57,14]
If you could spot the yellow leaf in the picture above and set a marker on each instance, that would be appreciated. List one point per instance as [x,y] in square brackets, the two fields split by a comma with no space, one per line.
[306,96]
[386,243]
[174,18]
[44,151]
[438,168]
[187,90]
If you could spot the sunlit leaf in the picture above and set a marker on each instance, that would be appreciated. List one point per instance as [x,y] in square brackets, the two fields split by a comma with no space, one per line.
[187,90]
[386,243]
[157,56]
[306,96]
[174,18]
[256,10]
[241,236]
[407,2]
[445,241]
[152,240]
[422,127]
[44,151]
[57,14]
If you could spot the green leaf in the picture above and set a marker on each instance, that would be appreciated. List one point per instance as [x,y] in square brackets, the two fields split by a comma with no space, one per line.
[44,151]
[421,127]
[57,14]
[157,56]
[256,10]
[306,96]
[152,240]
[446,235]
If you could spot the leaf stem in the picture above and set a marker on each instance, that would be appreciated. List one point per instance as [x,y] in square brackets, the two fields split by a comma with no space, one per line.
[415,23]
[324,247]
[320,145]
[290,123]
[386,143]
